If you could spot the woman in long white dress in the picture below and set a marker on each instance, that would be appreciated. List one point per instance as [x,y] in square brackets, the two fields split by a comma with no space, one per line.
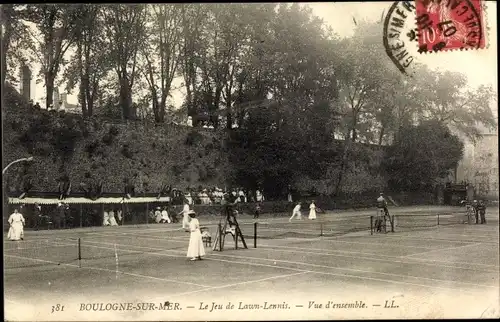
[312,211]
[185,216]
[112,219]
[105,219]
[16,222]
[119,215]
[196,249]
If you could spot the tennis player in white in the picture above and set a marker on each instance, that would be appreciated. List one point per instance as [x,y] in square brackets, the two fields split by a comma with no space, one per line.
[296,212]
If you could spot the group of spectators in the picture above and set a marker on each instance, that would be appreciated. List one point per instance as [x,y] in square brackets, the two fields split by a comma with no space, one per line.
[161,216]
[109,219]
[217,196]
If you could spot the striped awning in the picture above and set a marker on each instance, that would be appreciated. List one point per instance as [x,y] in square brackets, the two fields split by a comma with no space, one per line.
[81,200]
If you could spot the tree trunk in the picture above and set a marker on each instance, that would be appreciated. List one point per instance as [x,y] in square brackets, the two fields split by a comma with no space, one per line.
[7,13]
[381,135]
[5,48]
[163,105]
[49,84]
[126,99]
[354,132]
[82,94]
[83,98]
[343,166]
[229,118]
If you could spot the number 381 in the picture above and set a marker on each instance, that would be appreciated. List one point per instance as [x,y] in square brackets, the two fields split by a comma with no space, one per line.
[57,308]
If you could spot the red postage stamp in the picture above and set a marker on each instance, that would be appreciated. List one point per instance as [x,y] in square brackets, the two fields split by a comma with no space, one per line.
[450,24]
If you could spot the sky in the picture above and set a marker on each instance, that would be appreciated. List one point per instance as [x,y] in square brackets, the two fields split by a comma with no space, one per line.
[480,66]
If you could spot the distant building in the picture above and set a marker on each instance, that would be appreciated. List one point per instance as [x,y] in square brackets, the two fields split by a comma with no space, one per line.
[479,165]
[68,107]
[61,103]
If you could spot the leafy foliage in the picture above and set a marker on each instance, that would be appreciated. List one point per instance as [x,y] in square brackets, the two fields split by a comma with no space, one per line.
[421,155]
[280,83]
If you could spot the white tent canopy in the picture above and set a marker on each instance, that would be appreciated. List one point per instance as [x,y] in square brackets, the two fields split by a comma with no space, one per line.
[81,200]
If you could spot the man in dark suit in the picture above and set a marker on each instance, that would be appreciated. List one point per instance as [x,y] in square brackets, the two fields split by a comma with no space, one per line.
[481,209]
[37,216]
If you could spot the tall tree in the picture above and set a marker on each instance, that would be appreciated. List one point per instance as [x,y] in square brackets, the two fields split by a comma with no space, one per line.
[448,98]
[125,30]
[161,52]
[90,64]
[193,22]
[14,39]
[421,155]
[56,24]
[363,78]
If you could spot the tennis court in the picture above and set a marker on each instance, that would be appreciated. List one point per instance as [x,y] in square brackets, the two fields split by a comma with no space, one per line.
[426,271]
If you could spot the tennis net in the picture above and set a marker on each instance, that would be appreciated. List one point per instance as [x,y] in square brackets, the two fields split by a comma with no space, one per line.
[308,228]
[40,252]
[423,221]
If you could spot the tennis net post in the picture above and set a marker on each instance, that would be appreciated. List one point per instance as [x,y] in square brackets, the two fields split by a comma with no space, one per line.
[236,239]
[79,253]
[392,223]
[255,235]
[219,227]
[371,225]
[438,219]
[321,229]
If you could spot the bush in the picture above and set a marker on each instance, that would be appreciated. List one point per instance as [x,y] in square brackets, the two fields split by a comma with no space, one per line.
[107,139]
[126,152]
[92,147]
[176,170]
[193,138]
[113,130]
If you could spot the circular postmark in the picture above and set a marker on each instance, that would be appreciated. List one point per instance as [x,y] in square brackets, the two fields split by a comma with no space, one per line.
[400,35]
[449,24]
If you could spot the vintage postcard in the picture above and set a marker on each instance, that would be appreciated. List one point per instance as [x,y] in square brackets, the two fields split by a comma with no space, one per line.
[250,161]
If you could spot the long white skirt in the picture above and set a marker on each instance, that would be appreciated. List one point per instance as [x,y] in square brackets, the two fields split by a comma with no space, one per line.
[312,214]
[16,231]
[196,248]
[185,221]
[112,220]
[105,220]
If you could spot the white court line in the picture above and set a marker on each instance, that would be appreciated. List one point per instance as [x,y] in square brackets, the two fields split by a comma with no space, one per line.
[471,230]
[35,248]
[108,270]
[255,264]
[421,237]
[166,238]
[469,235]
[373,244]
[307,249]
[443,249]
[353,270]
[381,260]
[315,265]
[241,283]
[343,275]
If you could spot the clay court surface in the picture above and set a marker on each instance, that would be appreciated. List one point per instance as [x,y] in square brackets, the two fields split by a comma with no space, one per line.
[449,271]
